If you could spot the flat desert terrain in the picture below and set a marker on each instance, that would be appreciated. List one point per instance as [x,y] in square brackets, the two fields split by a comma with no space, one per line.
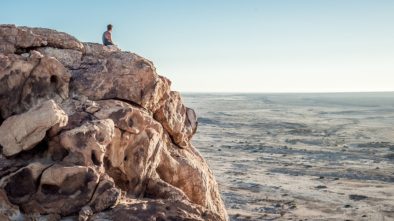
[300,156]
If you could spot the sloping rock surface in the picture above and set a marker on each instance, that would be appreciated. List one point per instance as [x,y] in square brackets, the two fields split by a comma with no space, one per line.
[89,132]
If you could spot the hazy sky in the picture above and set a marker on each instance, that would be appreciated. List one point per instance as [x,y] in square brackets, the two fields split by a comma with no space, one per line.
[238,46]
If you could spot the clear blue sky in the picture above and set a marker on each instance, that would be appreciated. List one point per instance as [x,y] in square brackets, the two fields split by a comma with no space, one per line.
[238,46]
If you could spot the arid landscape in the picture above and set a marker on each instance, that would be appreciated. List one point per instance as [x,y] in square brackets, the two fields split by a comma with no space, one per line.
[202,110]
[300,156]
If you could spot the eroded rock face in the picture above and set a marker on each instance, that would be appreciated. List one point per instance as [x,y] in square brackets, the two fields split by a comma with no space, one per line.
[188,171]
[133,155]
[105,196]
[93,132]
[152,210]
[118,74]
[179,121]
[63,190]
[8,211]
[86,145]
[21,185]
[24,131]
[19,39]
[28,80]
[70,58]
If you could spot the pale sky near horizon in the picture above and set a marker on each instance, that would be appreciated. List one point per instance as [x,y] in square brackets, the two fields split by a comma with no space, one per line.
[237,46]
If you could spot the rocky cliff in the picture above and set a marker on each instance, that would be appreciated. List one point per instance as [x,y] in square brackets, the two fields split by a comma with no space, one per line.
[94,133]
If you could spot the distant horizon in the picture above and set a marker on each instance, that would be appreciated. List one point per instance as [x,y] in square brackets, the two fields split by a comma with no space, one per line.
[299,46]
[267,92]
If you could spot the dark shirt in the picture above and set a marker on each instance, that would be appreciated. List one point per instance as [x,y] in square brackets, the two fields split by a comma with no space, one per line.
[107,41]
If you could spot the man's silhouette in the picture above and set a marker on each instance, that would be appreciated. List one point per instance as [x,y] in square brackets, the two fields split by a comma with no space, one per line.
[107,36]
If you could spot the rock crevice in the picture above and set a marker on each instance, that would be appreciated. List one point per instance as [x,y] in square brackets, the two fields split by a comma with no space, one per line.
[90,132]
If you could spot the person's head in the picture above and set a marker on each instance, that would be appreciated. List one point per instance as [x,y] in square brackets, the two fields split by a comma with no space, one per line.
[109,27]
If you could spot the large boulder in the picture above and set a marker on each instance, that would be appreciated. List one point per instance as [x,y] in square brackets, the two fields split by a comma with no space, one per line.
[142,152]
[186,170]
[21,185]
[134,154]
[90,132]
[179,121]
[24,131]
[86,145]
[57,189]
[63,190]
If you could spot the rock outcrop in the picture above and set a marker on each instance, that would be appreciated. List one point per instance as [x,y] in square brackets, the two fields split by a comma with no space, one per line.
[90,132]
[22,132]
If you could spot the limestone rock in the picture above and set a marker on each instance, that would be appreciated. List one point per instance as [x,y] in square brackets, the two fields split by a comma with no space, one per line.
[21,185]
[120,75]
[179,121]
[126,117]
[8,211]
[63,190]
[17,39]
[28,81]
[57,39]
[86,145]
[97,50]
[79,111]
[70,58]
[22,132]
[152,210]
[85,213]
[139,137]
[188,171]
[133,155]
[94,133]
[105,196]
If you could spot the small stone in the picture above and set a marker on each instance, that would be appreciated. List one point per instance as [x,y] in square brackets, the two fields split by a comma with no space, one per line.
[85,213]
[356,197]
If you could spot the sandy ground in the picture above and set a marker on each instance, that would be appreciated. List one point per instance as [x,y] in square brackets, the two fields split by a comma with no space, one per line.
[304,157]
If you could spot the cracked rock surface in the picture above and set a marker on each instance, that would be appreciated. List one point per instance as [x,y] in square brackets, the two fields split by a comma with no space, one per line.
[89,132]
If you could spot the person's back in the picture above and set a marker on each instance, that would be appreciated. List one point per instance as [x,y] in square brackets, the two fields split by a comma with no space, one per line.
[107,36]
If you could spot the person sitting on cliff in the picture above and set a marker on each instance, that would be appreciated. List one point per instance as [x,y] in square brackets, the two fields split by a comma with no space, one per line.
[107,36]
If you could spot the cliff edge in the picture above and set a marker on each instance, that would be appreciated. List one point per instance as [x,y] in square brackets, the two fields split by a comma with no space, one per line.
[94,133]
